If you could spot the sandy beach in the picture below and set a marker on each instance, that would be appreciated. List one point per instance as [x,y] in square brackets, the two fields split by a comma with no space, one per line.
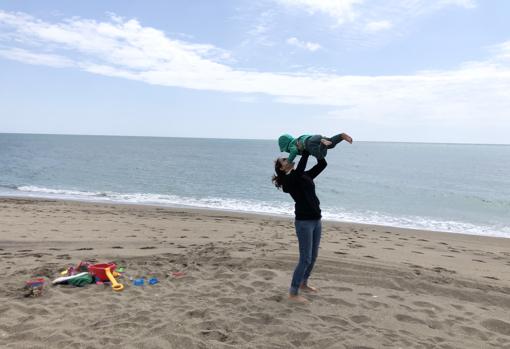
[380,287]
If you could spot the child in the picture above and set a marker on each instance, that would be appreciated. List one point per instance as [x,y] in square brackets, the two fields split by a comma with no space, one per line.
[316,145]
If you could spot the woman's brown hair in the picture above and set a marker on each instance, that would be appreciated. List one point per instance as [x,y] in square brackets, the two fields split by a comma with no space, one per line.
[278,177]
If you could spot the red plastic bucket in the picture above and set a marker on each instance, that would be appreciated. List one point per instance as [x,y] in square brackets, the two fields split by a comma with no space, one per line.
[98,270]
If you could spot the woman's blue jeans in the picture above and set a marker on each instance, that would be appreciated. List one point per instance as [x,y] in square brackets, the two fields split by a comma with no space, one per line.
[309,236]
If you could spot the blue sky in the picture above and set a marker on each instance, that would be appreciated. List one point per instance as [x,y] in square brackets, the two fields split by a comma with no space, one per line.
[388,70]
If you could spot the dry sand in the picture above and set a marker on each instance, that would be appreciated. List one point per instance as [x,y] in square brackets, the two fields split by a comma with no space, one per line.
[380,287]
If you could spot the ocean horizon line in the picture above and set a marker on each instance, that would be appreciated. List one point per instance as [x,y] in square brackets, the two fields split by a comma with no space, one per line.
[236,139]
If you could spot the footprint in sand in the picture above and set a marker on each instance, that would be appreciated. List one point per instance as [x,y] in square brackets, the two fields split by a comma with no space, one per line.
[471,331]
[266,274]
[491,277]
[339,301]
[397,297]
[498,326]
[261,319]
[215,335]
[230,300]
[427,305]
[147,248]
[409,319]
[441,270]
[478,260]
[276,298]
[333,319]
[261,285]
[198,313]
[339,289]
[359,319]
[458,307]
[244,289]
[375,305]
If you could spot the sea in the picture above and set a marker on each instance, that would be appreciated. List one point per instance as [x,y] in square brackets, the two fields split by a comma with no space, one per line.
[456,188]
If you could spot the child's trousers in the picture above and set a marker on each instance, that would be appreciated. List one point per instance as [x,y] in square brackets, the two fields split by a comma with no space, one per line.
[319,150]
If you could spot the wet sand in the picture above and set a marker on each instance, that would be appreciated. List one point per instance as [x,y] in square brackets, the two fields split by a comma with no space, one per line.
[380,287]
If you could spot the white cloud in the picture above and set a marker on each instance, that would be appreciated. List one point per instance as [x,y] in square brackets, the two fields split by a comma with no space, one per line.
[25,56]
[341,10]
[348,11]
[260,30]
[310,46]
[473,92]
[461,3]
[377,26]
[360,20]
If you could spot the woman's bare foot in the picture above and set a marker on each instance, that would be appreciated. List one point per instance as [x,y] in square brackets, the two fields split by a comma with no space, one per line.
[308,288]
[298,299]
[326,142]
[346,138]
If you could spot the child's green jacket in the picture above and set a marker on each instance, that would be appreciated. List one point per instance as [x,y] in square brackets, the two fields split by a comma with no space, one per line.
[288,144]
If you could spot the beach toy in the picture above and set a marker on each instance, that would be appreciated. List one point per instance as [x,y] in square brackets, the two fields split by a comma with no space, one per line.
[178,274]
[138,282]
[105,272]
[35,287]
[77,280]
[82,266]
[38,282]
[115,285]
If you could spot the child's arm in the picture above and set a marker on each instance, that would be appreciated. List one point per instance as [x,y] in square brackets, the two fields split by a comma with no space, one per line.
[293,152]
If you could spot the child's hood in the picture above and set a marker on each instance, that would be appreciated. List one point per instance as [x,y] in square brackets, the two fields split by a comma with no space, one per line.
[284,142]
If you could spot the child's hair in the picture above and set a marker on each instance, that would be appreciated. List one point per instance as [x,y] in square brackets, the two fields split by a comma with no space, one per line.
[277,178]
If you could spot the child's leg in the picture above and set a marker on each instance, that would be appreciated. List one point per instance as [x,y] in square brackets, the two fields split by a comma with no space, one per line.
[334,140]
[315,147]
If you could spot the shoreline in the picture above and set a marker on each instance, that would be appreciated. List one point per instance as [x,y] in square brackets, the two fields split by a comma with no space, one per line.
[212,209]
[379,286]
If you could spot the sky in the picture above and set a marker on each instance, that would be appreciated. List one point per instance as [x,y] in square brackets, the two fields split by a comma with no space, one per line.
[385,70]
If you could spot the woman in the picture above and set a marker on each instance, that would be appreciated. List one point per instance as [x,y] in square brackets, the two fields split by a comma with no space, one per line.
[299,184]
